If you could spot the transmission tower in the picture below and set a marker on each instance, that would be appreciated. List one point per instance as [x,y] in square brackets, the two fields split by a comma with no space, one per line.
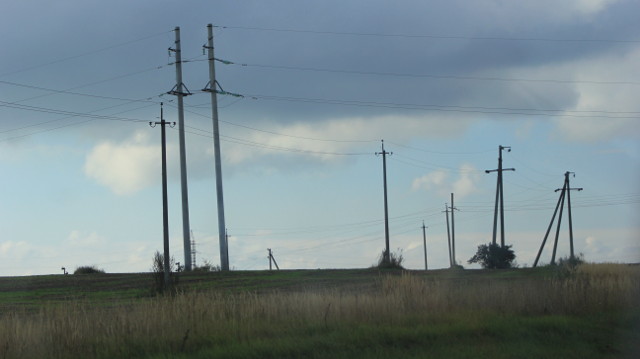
[180,91]
[212,88]
[193,250]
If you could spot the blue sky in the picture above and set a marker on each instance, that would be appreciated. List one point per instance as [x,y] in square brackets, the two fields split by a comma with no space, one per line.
[444,83]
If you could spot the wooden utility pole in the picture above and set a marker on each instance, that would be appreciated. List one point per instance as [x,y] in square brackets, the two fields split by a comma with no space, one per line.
[499,196]
[165,205]
[386,258]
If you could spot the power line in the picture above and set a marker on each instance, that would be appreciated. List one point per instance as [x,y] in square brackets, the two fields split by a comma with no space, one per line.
[425,36]
[441,77]
[84,54]
[452,108]
[73,93]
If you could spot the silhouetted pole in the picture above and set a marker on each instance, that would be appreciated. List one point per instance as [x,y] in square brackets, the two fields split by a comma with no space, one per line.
[555,243]
[165,205]
[499,197]
[224,249]
[180,90]
[424,240]
[387,258]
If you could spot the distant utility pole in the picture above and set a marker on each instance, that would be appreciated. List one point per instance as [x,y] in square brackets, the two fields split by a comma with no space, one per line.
[165,205]
[180,91]
[424,240]
[211,87]
[386,258]
[446,212]
[453,233]
[272,259]
[566,193]
[499,196]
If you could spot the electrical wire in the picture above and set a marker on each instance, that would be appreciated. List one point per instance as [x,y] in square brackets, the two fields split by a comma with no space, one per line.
[424,36]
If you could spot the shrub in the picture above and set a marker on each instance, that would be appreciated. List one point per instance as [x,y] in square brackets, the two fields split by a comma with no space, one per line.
[394,262]
[157,268]
[88,270]
[493,256]
[207,267]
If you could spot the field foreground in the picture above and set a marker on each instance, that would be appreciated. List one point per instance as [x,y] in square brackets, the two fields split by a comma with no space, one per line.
[589,312]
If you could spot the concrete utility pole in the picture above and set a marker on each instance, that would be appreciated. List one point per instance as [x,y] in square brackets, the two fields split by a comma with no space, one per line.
[387,257]
[566,193]
[499,196]
[180,91]
[424,239]
[165,205]
[211,87]
[453,233]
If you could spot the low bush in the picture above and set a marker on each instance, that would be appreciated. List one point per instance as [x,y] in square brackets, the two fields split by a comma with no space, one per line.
[88,270]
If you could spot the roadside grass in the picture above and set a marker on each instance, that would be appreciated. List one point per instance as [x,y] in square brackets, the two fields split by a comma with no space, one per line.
[588,312]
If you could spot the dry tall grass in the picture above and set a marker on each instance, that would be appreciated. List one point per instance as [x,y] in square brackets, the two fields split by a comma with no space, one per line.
[171,324]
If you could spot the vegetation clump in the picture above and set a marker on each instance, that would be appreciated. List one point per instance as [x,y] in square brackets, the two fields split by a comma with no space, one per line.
[494,256]
[206,267]
[88,270]
[157,269]
[393,262]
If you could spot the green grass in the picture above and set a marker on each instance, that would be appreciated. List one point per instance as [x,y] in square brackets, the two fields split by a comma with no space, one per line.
[590,312]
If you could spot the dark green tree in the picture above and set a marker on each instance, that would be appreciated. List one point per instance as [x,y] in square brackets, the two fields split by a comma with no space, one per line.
[493,256]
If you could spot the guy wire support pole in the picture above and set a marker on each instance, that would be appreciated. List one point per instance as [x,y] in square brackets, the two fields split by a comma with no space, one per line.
[546,235]
[386,258]
[446,211]
[224,249]
[180,90]
[424,239]
[499,196]
[555,243]
[165,209]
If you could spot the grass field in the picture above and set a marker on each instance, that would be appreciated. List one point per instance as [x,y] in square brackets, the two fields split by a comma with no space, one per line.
[591,312]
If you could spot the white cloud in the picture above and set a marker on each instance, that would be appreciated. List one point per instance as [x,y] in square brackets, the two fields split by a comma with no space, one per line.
[438,181]
[435,179]
[126,167]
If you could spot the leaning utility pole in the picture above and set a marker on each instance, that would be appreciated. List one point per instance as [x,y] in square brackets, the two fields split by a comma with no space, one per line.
[446,212]
[211,87]
[566,193]
[499,196]
[180,90]
[165,209]
[424,240]
[272,259]
[386,258]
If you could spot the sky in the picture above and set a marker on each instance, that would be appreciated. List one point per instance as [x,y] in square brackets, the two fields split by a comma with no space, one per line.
[443,83]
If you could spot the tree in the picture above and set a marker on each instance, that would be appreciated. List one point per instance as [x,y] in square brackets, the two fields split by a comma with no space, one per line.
[493,256]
